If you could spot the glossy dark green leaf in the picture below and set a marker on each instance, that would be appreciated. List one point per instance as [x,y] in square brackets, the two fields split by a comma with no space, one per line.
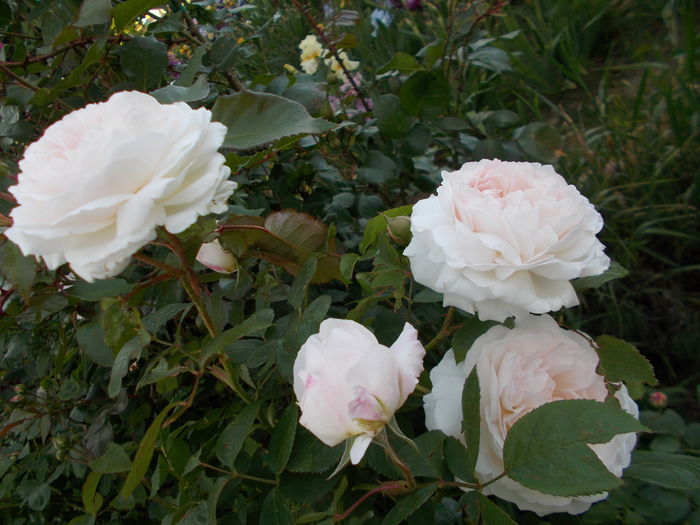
[16,268]
[672,471]
[463,339]
[540,141]
[178,93]
[408,504]
[616,271]
[620,361]
[128,11]
[282,439]
[92,343]
[98,289]
[547,449]
[142,458]
[113,460]
[233,436]
[401,62]
[492,514]
[93,12]
[275,510]
[425,93]
[259,320]
[471,420]
[392,121]
[144,60]
[254,119]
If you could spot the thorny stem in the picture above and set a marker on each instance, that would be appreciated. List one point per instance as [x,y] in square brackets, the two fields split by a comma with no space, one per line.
[7,71]
[381,488]
[444,330]
[334,51]
[234,474]
[188,403]
[383,440]
[157,264]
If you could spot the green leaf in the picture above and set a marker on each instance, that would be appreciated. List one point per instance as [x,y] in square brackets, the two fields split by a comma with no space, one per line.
[254,119]
[425,93]
[142,458]
[112,461]
[99,289]
[131,350]
[213,499]
[144,60]
[377,225]
[39,497]
[128,11]
[282,439]
[616,271]
[310,454]
[471,420]
[234,435]
[377,168]
[547,449]
[94,12]
[297,292]
[620,361]
[259,320]
[92,500]
[275,510]
[672,471]
[457,459]
[408,504]
[91,339]
[347,266]
[178,93]
[391,120]
[402,62]
[539,140]
[17,268]
[472,328]
[492,514]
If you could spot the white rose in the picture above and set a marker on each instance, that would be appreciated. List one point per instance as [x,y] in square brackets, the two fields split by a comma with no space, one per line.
[213,256]
[349,386]
[519,370]
[505,238]
[93,188]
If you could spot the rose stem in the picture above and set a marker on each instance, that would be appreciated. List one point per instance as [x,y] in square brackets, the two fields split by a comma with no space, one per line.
[444,330]
[383,439]
[381,488]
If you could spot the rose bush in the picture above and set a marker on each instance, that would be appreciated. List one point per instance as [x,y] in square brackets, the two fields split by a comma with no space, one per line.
[504,238]
[348,385]
[93,188]
[519,370]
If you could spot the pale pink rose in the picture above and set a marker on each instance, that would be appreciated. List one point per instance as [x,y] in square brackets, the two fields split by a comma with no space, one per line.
[519,370]
[213,256]
[93,188]
[505,238]
[349,386]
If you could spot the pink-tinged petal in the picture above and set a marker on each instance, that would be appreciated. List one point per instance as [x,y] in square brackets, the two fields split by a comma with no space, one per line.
[409,353]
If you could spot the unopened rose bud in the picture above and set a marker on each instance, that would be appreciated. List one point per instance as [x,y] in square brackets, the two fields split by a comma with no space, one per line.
[658,399]
[399,229]
[213,256]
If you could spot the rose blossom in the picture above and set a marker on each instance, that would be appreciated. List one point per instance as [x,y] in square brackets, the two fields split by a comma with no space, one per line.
[93,188]
[505,238]
[213,256]
[519,370]
[349,386]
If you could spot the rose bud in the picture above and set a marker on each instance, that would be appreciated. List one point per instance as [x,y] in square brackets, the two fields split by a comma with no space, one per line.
[348,385]
[658,399]
[214,257]
[399,229]
[519,370]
